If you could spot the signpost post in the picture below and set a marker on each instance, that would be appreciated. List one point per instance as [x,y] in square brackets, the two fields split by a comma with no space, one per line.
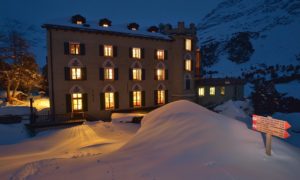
[272,127]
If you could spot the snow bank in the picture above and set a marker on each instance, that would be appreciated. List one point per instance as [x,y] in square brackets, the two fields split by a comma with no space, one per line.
[291,89]
[14,110]
[235,109]
[12,133]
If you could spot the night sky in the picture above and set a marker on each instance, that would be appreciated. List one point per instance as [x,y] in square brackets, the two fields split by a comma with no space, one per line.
[119,11]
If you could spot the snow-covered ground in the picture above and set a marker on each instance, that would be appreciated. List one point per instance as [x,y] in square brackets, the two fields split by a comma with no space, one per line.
[291,89]
[181,140]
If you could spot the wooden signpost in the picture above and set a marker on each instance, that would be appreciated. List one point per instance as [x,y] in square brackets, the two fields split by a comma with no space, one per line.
[272,127]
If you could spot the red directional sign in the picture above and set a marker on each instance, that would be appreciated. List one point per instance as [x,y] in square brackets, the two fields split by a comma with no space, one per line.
[270,126]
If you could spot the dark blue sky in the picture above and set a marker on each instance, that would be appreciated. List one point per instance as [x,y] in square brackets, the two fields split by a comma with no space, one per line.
[119,11]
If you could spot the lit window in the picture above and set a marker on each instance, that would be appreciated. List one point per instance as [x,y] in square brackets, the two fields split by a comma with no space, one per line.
[188,65]
[160,97]
[76,73]
[77,101]
[188,44]
[79,22]
[108,73]
[223,90]
[105,25]
[136,53]
[160,73]
[74,48]
[212,91]
[108,50]
[201,91]
[137,98]
[137,74]
[160,54]
[109,100]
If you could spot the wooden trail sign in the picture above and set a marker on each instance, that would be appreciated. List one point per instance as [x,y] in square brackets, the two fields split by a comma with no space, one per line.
[272,127]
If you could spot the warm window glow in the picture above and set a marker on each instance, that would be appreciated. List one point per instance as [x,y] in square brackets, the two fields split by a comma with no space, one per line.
[108,73]
[76,73]
[105,25]
[160,54]
[137,74]
[133,29]
[78,22]
[188,44]
[137,98]
[109,100]
[160,73]
[108,50]
[77,101]
[136,53]
[201,91]
[188,65]
[74,48]
[160,97]
[223,90]
[212,91]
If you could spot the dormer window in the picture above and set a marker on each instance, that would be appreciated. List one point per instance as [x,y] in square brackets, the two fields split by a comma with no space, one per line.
[104,22]
[153,29]
[78,19]
[133,26]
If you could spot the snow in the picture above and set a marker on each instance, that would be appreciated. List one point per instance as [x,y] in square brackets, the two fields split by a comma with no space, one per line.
[291,89]
[180,140]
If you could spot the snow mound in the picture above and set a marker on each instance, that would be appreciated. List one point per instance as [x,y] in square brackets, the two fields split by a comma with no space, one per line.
[235,109]
[183,140]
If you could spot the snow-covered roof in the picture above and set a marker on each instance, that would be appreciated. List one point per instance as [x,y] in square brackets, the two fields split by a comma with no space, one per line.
[93,26]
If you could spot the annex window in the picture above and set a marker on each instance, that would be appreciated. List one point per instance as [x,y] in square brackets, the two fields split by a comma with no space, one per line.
[188,65]
[188,44]
[74,48]
[76,73]
[212,91]
[137,98]
[201,91]
[160,74]
[77,102]
[136,53]
[108,50]
[109,100]
[222,90]
[161,97]
[108,73]
[137,74]
[160,54]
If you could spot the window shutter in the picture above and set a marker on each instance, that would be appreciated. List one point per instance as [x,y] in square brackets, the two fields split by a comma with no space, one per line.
[155,75]
[85,101]
[142,53]
[82,49]
[101,50]
[166,74]
[116,96]
[115,51]
[130,52]
[143,98]
[84,73]
[102,101]
[116,74]
[67,74]
[68,103]
[130,74]
[166,96]
[101,74]
[131,99]
[192,66]
[155,54]
[143,74]
[166,54]
[155,97]
[66,48]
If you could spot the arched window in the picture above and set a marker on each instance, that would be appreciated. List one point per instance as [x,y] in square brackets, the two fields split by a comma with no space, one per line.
[75,70]
[160,73]
[137,96]
[188,62]
[109,98]
[160,95]
[76,100]
[108,70]
[136,72]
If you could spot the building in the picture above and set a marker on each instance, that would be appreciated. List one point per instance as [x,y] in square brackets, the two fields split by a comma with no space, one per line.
[215,91]
[96,68]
